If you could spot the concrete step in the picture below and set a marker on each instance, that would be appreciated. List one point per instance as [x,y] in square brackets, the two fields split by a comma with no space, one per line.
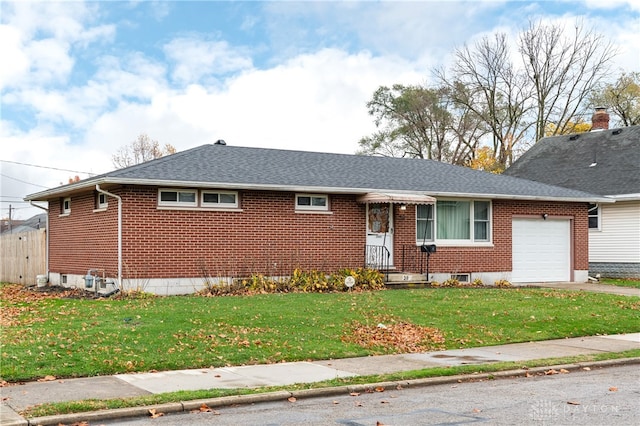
[399,280]
[406,277]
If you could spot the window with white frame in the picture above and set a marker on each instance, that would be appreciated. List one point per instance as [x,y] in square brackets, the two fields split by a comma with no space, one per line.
[424,222]
[594,216]
[101,201]
[222,199]
[178,197]
[454,221]
[316,202]
[66,206]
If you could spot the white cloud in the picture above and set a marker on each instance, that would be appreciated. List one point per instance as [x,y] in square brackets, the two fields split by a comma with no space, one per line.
[15,61]
[196,58]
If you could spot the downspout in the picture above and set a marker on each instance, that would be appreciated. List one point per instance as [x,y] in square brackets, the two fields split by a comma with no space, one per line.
[47,236]
[109,194]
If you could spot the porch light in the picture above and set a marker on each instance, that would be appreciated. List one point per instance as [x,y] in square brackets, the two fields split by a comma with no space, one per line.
[403,207]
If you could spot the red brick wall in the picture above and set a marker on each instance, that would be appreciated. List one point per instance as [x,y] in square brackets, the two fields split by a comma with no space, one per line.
[267,236]
[498,257]
[83,239]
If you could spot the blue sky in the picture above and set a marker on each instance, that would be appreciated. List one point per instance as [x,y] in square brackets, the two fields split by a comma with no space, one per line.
[81,79]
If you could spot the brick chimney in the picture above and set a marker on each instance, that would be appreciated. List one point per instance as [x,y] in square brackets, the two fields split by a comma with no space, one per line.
[600,119]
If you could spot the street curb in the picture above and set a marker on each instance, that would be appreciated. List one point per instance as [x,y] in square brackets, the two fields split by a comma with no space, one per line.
[225,401]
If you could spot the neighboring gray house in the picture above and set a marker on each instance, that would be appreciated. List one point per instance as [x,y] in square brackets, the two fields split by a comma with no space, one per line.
[34,223]
[605,162]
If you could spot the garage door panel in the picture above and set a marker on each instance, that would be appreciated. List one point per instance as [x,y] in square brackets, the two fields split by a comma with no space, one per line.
[541,250]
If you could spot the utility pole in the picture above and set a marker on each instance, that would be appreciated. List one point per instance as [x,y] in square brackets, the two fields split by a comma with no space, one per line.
[10,225]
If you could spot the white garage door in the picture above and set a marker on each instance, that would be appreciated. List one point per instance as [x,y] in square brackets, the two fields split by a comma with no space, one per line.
[541,250]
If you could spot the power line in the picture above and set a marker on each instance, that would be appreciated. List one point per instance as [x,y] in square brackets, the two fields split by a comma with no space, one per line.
[47,167]
[22,181]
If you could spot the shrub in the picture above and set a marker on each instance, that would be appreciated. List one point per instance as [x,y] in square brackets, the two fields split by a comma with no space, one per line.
[502,283]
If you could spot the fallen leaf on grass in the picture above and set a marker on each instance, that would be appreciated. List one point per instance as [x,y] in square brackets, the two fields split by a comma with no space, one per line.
[154,413]
[3,383]
[47,379]
[292,399]
[573,403]
[613,389]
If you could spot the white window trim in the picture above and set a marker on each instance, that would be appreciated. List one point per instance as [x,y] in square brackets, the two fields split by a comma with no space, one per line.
[218,205]
[102,206]
[598,216]
[312,208]
[177,203]
[471,242]
[66,211]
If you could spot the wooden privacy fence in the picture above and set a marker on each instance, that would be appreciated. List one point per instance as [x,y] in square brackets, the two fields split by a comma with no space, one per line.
[24,257]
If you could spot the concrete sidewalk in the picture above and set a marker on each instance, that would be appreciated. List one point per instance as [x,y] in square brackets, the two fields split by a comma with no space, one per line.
[20,397]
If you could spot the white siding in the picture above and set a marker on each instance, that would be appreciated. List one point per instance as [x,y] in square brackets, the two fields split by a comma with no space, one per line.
[618,239]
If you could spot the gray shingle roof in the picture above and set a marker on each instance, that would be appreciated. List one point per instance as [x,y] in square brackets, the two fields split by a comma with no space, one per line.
[566,161]
[226,166]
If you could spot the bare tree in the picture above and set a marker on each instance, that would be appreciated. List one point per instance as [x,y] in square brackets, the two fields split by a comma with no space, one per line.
[140,150]
[621,98]
[487,84]
[562,70]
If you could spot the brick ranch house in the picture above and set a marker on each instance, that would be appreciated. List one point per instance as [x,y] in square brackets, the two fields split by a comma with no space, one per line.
[221,212]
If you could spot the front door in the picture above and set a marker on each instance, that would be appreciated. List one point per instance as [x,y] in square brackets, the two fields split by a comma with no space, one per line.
[379,235]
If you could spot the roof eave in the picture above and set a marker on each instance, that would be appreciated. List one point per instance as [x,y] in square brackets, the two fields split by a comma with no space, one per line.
[90,184]
[625,197]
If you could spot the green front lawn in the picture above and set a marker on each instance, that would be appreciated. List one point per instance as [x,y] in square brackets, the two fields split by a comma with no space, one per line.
[622,283]
[78,337]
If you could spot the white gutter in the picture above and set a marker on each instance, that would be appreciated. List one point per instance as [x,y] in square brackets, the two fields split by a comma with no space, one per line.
[109,194]
[625,197]
[588,198]
[47,236]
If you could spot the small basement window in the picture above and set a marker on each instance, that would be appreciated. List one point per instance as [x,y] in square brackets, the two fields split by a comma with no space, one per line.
[312,202]
[463,278]
[219,199]
[177,197]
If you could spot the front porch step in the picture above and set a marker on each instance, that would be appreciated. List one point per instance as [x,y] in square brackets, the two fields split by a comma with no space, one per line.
[405,277]
[401,280]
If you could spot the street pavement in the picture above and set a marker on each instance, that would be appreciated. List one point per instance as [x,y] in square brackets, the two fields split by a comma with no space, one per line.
[17,398]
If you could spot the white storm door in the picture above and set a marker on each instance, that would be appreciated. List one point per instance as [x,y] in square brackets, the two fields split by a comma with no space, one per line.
[380,229]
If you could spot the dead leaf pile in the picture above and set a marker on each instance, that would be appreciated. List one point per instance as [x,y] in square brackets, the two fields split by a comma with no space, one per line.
[18,300]
[399,337]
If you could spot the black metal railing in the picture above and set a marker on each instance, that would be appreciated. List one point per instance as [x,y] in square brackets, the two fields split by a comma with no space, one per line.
[377,257]
[413,259]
